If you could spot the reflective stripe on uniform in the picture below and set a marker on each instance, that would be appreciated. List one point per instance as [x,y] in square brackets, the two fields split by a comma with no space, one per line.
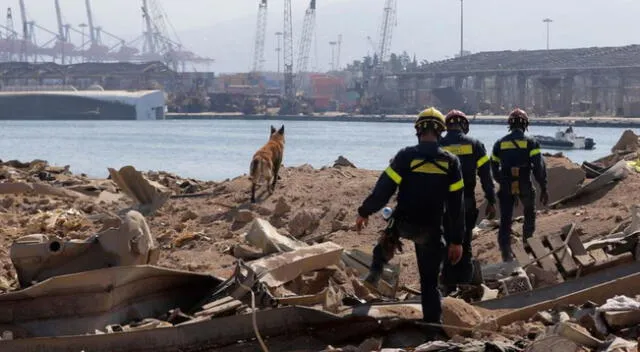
[495,158]
[482,161]
[393,175]
[430,168]
[459,149]
[456,186]
[534,152]
[522,143]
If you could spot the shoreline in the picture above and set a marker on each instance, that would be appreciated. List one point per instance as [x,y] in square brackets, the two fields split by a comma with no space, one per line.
[612,122]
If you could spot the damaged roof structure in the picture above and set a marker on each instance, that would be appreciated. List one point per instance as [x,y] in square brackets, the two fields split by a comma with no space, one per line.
[91,269]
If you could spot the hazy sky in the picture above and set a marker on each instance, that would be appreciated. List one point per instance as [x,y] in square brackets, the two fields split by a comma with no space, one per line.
[225,29]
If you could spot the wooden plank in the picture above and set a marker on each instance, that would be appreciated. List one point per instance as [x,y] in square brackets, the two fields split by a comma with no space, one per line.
[216,303]
[220,309]
[599,255]
[580,254]
[628,286]
[548,263]
[521,255]
[566,261]
[610,262]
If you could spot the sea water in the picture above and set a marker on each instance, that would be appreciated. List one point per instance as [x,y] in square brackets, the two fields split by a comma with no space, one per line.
[216,150]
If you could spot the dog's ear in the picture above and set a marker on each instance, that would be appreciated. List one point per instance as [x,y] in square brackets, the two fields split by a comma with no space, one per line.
[281,130]
[273,130]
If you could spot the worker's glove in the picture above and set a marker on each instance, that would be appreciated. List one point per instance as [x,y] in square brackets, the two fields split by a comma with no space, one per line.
[455,253]
[361,223]
[544,197]
[490,211]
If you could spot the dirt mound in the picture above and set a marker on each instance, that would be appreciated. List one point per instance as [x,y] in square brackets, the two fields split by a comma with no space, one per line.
[628,142]
[199,232]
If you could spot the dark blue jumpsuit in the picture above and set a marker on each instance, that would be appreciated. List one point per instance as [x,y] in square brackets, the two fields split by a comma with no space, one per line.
[423,194]
[474,160]
[515,158]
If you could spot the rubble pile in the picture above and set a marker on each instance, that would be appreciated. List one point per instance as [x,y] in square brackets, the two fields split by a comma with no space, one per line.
[193,259]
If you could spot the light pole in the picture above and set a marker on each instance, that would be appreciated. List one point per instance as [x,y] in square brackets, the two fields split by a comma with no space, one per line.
[279,48]
[84,56]
[461,28]
[547,21]
[333,55]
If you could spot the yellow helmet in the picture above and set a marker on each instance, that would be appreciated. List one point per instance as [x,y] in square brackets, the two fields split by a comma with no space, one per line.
[430,118]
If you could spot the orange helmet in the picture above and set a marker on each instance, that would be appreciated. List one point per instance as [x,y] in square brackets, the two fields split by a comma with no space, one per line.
[457,117]
[518,118]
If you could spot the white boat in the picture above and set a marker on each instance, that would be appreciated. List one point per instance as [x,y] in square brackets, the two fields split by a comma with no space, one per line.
[566,139]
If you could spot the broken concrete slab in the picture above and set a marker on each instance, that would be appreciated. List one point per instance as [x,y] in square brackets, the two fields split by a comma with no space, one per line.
[577,334]
[148,195]
[38,257]
[623,319]
[620,345]
[456,312]
[247,252]
[617,172]
[279,269]
[264,236]
[553,343]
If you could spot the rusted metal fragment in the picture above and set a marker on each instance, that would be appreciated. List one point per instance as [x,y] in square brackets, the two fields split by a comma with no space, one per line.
[81,303]
[38,257]
[199,336]
[628,285]
[549,293]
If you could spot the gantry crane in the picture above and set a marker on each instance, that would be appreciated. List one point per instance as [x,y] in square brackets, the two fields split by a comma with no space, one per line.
[261,33]
[149,46]
[288,103]
[386,29]
[306,39]
[63,46]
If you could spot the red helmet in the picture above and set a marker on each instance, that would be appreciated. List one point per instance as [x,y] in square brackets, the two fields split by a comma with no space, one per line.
[518,118]
[457,117]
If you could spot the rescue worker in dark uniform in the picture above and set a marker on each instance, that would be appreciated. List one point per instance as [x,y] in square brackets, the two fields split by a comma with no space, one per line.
[429,180]
[474,160]
[514,159]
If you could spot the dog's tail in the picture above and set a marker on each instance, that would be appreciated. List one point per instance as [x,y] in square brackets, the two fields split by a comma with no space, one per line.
[253,170]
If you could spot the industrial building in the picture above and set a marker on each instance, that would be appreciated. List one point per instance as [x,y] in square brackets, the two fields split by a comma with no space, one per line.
[82,105]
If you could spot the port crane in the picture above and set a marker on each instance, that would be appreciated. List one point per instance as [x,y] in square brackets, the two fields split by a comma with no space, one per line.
[288,103]
[306,39]
[261,32]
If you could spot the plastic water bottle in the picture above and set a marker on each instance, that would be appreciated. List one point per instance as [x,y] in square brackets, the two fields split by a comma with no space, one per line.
[386,213]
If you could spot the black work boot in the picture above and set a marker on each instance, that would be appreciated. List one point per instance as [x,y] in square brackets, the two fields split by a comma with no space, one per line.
[371,281]
[507,257]
[432,333]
